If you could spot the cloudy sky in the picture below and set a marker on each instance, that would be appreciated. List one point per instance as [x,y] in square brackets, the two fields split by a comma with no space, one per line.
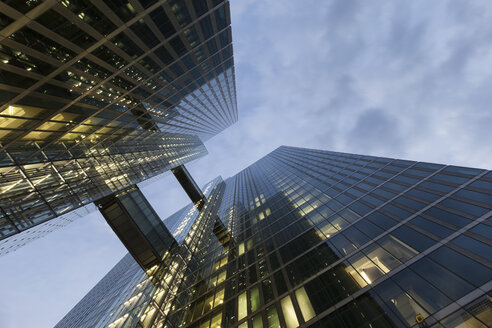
[404,79]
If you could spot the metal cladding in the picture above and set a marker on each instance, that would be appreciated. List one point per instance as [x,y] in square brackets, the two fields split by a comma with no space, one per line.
[96,96]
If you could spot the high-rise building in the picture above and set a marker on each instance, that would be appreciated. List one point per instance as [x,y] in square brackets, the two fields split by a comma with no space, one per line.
[315,238]
[99,95]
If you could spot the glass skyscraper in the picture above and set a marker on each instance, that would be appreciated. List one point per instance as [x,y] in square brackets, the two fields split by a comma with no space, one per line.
[311,238]
[98,95]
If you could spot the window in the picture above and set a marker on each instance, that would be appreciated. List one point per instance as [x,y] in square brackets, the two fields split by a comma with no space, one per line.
[289,313]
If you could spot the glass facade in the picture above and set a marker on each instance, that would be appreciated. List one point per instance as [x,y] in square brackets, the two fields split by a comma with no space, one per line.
[323,239]
[96,96]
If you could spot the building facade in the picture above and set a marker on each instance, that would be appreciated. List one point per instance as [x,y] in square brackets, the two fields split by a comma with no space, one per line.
[97,96]
[310,238]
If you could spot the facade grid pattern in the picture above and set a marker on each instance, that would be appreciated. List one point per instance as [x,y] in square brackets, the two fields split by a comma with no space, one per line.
[96,96]
[325,239]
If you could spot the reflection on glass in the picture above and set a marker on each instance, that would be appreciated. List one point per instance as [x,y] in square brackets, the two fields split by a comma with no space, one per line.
[397,248]
[400,302]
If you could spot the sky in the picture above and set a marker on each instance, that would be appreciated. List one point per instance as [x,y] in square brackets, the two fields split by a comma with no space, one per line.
[401,79]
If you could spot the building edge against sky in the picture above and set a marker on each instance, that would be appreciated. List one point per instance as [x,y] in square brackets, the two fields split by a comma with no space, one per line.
[316,238]
[97,96]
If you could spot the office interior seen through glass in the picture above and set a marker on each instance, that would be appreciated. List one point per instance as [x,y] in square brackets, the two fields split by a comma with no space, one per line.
[314,238]
[96,96]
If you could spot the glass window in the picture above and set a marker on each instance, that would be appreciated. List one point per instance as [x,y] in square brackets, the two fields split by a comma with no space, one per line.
[432,227]
[254,298]
[464,207]
[216,321]
[483,230]
[258,321]
[474,246]
[219,297]
[459,319]
[369,228]
[476,196]
[381,220]
[411,237]
[399,302]
[384,260]
[397,248]
[289,312]
[305,304]
[242,306]
[420,290]
[474,272]
[447,282]
[365,270]
[448,217]
[272,317]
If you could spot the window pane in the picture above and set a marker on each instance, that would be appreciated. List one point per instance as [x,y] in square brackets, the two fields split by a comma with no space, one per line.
[305,304]
[242,306]
[289,313]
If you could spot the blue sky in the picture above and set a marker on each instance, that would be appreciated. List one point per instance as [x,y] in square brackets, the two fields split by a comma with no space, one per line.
[404,79]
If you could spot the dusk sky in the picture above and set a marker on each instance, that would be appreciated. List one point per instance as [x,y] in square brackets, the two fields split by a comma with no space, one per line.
[401,79]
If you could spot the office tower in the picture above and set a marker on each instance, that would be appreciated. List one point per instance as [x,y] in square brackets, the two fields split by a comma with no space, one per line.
[99,95]
[315,238]
[127,285]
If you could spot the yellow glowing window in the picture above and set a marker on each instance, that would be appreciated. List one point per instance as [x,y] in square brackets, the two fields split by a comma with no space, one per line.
[366,269]
[250,244]
[289,313]
[219,297]
[268,212]
[82,128]
[261,216]
[272,317]
[241,249]
[222,277]
[254,298]
[66,117]
[23,111]
[70,136]
[209,304]
[327,229]
[258,321]
[242,309]
[4,133]
[12,123]
[243,325]
[216,321]
[51,126]
[105,130]
[305,304]
[36,135]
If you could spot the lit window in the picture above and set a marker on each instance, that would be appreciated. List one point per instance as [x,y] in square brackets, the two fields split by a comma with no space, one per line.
[289,312]
[305,304]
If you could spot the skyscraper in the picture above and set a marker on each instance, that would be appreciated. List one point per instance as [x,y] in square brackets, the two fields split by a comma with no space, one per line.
[97,96]
[315,238]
